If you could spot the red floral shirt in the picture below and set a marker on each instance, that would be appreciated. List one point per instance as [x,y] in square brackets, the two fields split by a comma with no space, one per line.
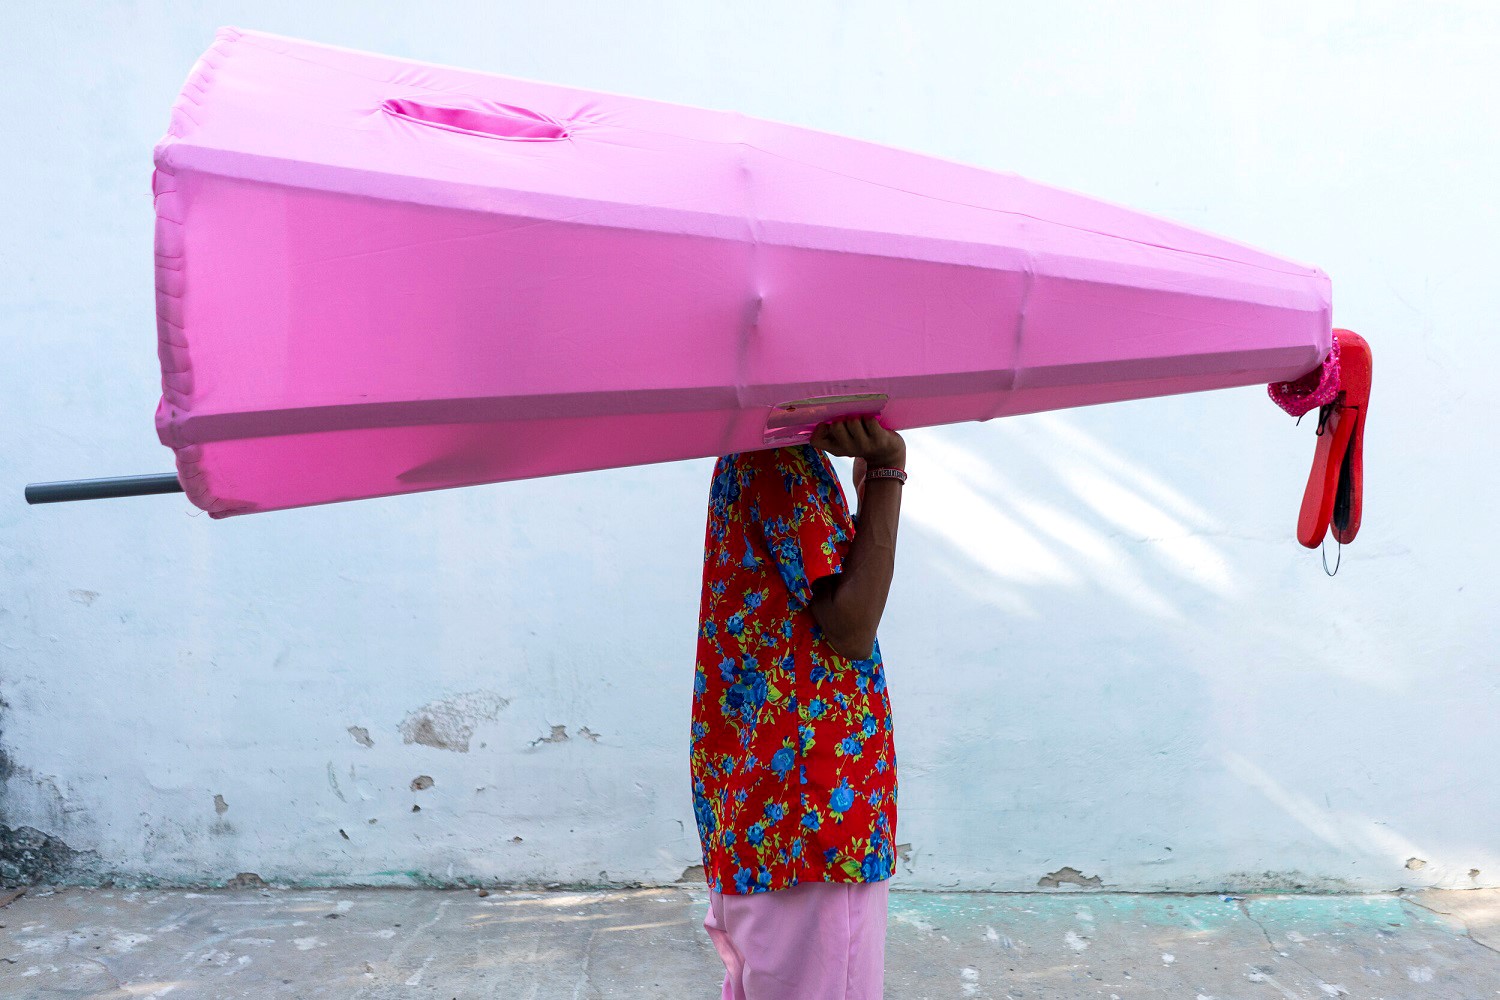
[793,761]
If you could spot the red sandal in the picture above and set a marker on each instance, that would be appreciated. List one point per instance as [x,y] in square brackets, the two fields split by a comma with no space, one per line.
[1335,487]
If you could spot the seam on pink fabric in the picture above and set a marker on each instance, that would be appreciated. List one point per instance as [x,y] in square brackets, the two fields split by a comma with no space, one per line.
[966,204]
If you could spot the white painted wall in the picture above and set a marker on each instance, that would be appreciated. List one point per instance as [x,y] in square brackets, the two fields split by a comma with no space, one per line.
[1106,649]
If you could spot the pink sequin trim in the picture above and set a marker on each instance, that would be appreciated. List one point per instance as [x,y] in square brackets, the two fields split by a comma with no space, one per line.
[1317,388]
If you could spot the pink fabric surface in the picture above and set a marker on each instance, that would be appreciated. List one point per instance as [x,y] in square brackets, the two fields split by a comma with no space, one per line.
[376,276]
[813,941]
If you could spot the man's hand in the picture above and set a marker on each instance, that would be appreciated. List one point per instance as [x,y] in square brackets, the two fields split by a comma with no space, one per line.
[862,438]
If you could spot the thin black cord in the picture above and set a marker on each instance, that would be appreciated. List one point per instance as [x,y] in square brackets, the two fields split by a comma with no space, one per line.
[1338,559]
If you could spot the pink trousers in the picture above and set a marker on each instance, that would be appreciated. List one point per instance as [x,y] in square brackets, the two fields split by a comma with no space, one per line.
[813,941]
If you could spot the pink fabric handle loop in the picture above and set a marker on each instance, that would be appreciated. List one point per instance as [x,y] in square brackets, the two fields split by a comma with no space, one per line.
[476,116]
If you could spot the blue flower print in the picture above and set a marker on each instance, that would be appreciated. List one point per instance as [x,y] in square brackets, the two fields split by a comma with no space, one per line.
[875,868]
[755,834]
[852,747]
[869,724]
[736,623]
[753,600]
[705,814]
[742,880]
[812,820]
[782,761]
[842,797]
[774,811]
[816,708]
[789,562]
[759,687]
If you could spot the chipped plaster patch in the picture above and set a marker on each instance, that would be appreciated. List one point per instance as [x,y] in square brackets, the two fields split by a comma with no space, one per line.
[449,723]
[559,734]
[1069,875]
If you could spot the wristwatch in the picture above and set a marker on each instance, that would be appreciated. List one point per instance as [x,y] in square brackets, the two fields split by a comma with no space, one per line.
[883,473]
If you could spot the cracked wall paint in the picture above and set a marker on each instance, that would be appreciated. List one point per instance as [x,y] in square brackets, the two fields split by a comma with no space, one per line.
[449,723]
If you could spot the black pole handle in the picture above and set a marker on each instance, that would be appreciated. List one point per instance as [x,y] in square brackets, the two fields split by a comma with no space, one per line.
[102,489]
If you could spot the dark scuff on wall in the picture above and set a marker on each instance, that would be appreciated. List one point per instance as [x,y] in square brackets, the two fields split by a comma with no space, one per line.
[29,856]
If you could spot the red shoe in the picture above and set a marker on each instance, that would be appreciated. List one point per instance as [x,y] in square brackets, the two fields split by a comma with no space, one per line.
[1335,487]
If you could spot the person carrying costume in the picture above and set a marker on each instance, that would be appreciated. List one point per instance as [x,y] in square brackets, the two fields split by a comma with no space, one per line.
[793,763]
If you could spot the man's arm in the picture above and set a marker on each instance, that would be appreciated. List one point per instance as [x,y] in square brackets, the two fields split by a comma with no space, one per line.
[848,605]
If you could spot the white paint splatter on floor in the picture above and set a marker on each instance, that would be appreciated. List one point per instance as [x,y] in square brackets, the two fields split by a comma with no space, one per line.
[123,943]
[416,977]
[1074,941]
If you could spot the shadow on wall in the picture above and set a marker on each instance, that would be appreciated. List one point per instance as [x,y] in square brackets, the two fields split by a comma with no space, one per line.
[1122,678]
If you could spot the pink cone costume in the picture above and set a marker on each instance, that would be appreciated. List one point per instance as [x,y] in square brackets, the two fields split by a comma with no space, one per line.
[376,276]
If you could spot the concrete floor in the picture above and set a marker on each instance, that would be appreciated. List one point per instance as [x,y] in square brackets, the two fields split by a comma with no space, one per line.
[378,943]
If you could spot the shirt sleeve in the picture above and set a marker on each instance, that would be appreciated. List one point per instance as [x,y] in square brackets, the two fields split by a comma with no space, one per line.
[799,506]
